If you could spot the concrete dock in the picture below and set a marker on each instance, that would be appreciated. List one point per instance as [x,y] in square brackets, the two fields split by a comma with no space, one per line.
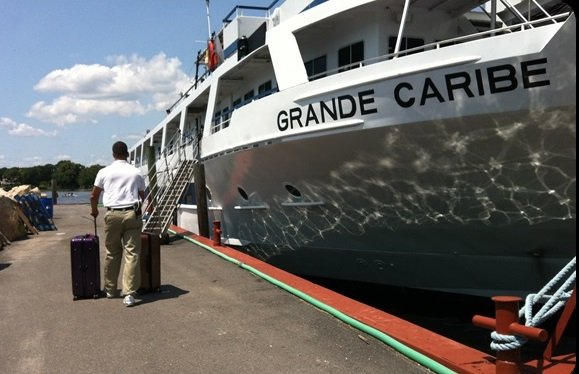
[211,317]
[219,311]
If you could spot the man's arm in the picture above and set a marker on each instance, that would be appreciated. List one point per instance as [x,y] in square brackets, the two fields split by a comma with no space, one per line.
[94,200]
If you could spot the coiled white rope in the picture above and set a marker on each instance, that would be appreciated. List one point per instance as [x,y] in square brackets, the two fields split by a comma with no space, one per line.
[552,304]
[502,342]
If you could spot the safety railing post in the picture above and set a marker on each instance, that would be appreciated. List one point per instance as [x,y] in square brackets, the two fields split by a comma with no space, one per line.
[217,233]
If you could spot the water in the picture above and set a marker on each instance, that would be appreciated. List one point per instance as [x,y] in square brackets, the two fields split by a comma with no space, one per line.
[73,197]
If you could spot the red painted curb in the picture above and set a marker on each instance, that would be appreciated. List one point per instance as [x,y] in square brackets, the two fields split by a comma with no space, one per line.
[447,352]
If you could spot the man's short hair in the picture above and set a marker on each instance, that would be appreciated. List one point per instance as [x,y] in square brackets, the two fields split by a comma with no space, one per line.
[120,149]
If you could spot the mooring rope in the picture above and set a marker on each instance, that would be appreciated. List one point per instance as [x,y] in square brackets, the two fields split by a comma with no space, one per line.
[502,342]
[552,304]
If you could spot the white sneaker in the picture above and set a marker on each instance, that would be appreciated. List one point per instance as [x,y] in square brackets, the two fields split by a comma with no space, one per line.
[129,300]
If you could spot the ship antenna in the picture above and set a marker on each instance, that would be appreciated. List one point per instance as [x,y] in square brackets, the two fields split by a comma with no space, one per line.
[208,19]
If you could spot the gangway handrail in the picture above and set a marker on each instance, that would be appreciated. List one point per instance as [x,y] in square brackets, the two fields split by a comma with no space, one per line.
[174,156]
[169,155]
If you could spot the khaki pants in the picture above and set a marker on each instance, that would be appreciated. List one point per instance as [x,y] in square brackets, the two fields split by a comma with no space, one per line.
[122,238]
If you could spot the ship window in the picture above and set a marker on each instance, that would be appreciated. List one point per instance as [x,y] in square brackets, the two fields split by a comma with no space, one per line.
[215,127]
[248,97]
[316,67]
[264,89]
[407,43]
[293,191]
[242,193]
[225,117]
[350,55]
[237,103]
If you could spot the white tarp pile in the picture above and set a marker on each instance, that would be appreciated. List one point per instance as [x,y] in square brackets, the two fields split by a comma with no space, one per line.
[12,225]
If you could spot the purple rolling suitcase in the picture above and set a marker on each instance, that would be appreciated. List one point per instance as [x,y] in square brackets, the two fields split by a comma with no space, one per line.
[85,266]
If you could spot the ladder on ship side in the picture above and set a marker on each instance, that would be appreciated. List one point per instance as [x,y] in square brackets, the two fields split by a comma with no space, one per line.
[166,204]
[168,185]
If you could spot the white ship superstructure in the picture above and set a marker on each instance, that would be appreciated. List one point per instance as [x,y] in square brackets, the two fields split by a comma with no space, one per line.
[424,143]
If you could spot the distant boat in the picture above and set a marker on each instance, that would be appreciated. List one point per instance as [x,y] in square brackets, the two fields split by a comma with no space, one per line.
[70,194]
[426,144]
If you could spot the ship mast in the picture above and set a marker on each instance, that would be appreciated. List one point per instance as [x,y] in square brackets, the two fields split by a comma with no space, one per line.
[208,19]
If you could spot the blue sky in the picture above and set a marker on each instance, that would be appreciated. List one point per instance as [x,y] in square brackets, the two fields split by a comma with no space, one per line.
[78,75]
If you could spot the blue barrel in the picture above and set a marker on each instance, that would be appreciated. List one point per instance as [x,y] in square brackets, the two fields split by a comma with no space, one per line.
[47,204]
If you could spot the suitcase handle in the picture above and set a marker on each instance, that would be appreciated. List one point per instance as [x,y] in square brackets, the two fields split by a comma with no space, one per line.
[95,227]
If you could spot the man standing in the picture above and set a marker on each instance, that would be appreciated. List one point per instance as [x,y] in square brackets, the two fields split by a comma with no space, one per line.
[123,187]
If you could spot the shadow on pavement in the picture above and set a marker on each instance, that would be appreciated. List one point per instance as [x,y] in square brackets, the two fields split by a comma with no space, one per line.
[168,291]
[4,266]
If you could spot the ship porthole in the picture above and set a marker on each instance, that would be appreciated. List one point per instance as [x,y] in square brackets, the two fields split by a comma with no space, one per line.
[293,191]
[242,193]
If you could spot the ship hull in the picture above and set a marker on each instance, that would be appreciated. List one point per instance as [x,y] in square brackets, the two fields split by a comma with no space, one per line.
[479,205]
[450,166]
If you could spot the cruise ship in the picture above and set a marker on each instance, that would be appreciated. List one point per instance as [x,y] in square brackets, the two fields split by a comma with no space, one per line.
[427,144]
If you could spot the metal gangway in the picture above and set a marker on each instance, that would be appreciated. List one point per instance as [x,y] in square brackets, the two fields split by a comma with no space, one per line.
[166,186]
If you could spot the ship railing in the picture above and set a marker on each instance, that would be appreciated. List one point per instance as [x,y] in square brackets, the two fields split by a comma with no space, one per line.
[543,11]
[442,44]
[238,11]
[199,80]
[183,96]
[220,125]
[513,10]
[221,122]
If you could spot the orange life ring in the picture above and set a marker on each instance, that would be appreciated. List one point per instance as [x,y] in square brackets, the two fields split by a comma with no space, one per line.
[213,59]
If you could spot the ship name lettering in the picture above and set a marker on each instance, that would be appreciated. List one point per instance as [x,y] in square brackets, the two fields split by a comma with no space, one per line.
[341,107]
[500,78]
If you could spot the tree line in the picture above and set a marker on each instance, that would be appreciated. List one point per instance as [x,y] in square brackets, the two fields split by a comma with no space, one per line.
[67,175]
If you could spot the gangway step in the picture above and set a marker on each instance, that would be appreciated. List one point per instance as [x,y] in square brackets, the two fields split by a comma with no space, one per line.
[166,204]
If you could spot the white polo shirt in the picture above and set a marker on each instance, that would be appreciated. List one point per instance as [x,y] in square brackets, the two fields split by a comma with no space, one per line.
[121,183]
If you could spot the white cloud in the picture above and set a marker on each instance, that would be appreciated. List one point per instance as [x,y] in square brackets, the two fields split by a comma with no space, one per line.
[34,160]
[129,86]
[23,129]
[63,157]
[126,137]
[67,110]
[134,137]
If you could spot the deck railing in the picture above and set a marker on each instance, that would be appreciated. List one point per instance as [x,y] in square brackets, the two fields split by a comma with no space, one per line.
[238,9]
[441,44]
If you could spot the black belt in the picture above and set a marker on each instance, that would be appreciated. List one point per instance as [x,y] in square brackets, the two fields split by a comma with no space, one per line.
[122,209]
